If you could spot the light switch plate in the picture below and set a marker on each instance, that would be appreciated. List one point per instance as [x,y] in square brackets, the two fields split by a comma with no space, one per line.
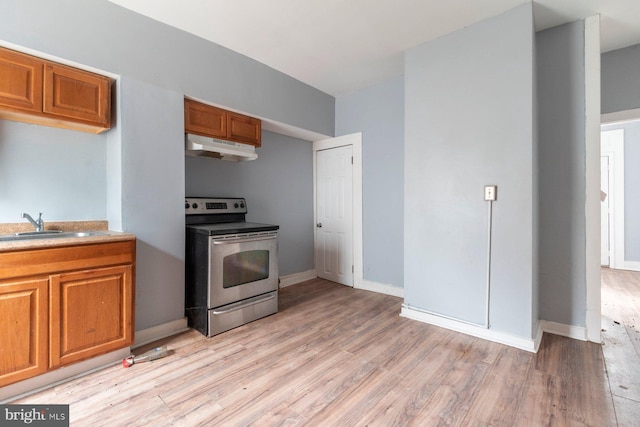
[490,192]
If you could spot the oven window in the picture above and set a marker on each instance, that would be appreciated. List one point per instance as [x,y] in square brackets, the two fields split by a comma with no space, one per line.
[245,267]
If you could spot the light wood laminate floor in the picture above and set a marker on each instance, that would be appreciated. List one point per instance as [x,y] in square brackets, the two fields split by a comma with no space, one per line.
[336,356]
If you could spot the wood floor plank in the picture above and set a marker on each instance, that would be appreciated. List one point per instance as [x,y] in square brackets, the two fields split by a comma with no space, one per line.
[335,355]
[498,401]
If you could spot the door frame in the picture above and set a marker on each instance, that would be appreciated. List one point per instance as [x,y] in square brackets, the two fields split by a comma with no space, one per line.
[355,140]
[615,151]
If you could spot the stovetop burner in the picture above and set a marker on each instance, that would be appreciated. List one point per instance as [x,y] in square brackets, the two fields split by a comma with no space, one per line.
[219,216]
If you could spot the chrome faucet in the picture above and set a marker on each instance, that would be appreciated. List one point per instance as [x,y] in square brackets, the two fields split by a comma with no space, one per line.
[39,224]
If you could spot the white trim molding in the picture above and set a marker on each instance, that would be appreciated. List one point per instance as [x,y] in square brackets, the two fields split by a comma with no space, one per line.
[592,112]
[631,265]
[569,331]
[294,278]
[381,288]
[155,333]
[527,344]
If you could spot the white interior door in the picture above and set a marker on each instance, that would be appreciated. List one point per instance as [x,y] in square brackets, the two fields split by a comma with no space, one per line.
[612,147]
[334,214]
[604,211]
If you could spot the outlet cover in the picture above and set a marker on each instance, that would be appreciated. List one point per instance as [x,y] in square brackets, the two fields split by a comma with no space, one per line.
[490,192]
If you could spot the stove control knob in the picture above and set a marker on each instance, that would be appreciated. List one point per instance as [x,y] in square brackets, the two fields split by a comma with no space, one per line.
[186,205]
[194,206]
[242,205]
[235,205]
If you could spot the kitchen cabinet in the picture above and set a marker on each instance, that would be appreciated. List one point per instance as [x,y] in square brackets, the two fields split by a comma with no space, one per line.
[77,95]
[37,91]
[21,82]
[61,305]
[207,120]
[23,328]
[89,313]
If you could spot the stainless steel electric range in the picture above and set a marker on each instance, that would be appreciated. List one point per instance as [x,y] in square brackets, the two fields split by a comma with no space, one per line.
[231,265]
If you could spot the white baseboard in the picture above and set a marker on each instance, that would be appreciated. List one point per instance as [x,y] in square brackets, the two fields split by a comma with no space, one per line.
[292,279]
[381,288]
[631,265]
[528,344]
[61,375]
[155,333]
[569,331]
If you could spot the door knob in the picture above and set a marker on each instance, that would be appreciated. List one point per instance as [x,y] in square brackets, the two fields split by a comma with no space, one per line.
[319,225]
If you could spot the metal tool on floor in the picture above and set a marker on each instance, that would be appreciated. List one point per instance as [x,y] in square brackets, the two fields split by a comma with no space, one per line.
[156,353]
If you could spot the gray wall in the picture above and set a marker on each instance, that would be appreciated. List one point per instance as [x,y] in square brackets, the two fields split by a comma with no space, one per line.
[137,180]
[561,151]
[378,112]
[57,172]
[278,186]
[631,188]
[620,80]
[469,121]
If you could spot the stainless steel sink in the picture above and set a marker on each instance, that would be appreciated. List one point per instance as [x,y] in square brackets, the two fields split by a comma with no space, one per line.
[52,234]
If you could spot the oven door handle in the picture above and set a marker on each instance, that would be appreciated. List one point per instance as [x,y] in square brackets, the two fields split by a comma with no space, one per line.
[242,240]
[244,304]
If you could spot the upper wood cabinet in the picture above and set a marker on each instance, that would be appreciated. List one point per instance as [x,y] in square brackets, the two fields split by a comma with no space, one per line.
[206,120]
[37,91]
[77,94]
[202,119]
[20,81]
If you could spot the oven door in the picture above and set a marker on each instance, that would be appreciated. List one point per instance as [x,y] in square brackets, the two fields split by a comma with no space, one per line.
[242,266]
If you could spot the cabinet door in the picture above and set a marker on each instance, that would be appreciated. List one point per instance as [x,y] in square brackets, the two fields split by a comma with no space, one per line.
[78,95]
[20,81]
[23,328]
[205,120]
[90,313]
[244,129]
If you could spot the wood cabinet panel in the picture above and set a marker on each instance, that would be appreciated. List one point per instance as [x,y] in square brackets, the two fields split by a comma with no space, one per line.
[77,94]
[244,129]
[206,120]
[20,81]
[90,313]
[23,328]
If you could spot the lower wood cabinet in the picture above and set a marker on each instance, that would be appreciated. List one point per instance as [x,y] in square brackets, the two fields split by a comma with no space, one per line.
[23,328]
[61,316]
[89,314]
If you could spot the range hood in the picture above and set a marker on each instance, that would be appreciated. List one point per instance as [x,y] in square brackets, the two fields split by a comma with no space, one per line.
[202,146]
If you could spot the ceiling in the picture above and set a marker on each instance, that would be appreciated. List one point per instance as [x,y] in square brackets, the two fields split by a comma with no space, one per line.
[339,46]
